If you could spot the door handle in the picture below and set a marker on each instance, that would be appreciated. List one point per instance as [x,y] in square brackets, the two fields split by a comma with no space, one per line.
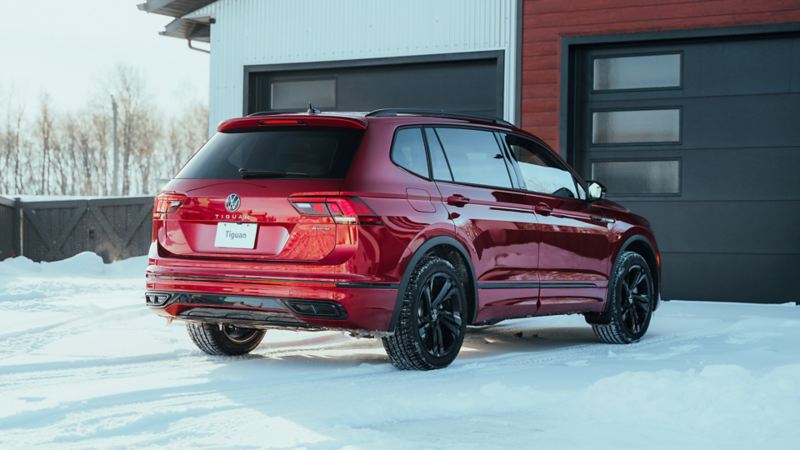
[457,200]
[543,209]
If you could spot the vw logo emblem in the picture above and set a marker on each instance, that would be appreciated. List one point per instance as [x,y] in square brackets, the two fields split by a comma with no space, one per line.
[232,203]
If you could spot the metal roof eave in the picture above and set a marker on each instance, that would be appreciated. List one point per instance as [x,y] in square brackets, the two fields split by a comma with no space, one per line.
[173,8]
[195,29]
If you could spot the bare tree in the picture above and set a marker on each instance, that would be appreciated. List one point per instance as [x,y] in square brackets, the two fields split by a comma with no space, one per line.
[70,153]
[44,129]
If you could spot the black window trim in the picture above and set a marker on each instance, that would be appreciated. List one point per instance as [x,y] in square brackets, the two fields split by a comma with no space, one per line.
[424,146]
[428,151]
[618,54]
[678,159]
[501,148]
[516,184]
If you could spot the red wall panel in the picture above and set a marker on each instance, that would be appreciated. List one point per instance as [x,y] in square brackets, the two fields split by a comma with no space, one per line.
[545,22]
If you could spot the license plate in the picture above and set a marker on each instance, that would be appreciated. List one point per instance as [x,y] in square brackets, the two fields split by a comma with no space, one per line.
[236,235]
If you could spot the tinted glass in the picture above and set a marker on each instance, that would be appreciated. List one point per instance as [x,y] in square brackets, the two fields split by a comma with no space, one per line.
[297,94]
[638,177]
[637,72]
[474,157]
[625,127]
[541,172]
[408,151]
[439,165]
[313,152]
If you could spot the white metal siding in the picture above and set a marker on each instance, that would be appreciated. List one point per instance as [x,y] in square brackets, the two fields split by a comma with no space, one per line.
[251,32]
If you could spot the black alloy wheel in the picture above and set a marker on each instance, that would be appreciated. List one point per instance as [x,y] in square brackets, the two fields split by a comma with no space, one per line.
[630,302]
[636,293]
[432,321]
[439,315]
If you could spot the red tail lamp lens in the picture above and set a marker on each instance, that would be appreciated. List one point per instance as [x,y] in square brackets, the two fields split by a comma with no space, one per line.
[345,210]
[167,202]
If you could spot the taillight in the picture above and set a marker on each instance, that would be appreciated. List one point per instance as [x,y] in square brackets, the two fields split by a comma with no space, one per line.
[167,203]
[345,210]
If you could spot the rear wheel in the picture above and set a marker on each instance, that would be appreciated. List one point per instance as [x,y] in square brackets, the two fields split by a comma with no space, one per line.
[224,339]
[631,296]
[431,325]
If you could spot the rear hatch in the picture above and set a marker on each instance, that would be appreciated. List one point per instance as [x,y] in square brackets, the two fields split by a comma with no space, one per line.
[261,189]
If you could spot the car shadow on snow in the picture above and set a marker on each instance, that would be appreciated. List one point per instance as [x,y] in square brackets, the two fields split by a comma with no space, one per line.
[339,350]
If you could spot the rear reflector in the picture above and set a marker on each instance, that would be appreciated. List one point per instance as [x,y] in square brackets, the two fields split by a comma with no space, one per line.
[167,202]
[344,210]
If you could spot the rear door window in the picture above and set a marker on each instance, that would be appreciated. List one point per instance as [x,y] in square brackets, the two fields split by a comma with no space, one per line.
[475,157]
[408,151]
[295,152]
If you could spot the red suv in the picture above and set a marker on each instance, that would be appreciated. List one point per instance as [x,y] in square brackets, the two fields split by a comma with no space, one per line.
[397,224]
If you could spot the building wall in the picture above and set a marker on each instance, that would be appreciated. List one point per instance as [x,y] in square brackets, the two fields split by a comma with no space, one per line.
[251,32]
[546,21]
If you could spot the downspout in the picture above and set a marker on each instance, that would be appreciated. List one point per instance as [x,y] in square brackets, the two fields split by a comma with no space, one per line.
[191,34]
[189,42]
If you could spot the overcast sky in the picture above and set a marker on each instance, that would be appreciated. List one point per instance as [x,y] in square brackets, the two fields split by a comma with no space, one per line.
[66,47]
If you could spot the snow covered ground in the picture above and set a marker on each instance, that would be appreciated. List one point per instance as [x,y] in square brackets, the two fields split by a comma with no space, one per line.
[84,364]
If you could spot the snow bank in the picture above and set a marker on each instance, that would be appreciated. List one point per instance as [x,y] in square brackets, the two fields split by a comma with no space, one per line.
[85,264]
[84,365]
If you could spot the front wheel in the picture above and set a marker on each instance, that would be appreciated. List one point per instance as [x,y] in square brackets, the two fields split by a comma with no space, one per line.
[631,297]
[431,325]
[224,339]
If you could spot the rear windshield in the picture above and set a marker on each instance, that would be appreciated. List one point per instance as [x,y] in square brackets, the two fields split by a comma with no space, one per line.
[296,152]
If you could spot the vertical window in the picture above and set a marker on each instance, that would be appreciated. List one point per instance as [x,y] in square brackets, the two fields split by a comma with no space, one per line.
[408,151]
[439,165]
[637,72]
[541,171]
[474,157]
[297,94]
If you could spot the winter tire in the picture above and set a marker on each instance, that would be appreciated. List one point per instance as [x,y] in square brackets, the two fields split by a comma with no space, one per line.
[431,325]
[631,297]
[224,339]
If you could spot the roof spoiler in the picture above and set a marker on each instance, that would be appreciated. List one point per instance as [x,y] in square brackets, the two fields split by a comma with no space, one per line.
[258,122]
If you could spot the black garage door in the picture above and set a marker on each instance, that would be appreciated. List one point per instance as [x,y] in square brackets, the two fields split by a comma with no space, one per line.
[471,83]
[703,138]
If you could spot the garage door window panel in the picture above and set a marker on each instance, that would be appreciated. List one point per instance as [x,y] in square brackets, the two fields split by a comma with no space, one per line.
[644,126]
[298,94]
[637,72]
[475,157]
[643,177]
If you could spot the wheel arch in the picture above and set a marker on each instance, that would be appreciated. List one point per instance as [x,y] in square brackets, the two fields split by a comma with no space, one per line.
[452,250]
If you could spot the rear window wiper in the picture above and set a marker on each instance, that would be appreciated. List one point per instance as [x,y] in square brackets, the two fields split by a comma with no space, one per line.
[244,173]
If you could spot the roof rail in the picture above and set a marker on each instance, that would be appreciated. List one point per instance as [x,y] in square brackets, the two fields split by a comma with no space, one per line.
[388,112]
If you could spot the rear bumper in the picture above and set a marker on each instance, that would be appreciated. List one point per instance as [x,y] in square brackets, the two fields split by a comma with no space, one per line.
[273,303]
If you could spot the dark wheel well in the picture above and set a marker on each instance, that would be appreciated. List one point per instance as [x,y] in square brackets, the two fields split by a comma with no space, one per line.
[457,259]
[640,246]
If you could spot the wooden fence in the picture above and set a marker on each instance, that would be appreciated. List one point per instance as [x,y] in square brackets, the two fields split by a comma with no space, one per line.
[50,230]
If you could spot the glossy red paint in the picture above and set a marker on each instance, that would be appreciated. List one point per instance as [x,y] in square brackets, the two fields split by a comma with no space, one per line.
[251,123]
[527,253]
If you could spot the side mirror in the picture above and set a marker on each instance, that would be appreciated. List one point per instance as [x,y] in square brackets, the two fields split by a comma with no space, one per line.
[595,190]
